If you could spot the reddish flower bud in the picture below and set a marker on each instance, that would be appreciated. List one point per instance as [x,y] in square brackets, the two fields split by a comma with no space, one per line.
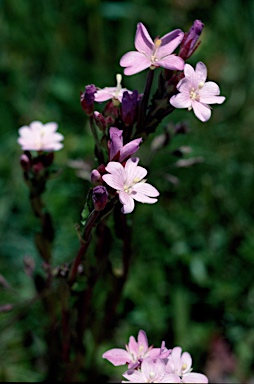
[96,177]
[100,197]
[189,43]
[87,99]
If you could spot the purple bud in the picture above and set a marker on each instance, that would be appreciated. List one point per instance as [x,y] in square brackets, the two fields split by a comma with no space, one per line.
[115,142]
[129,107]
[100,120]
[96,178]
[189,43]
[87,99]
[100,197]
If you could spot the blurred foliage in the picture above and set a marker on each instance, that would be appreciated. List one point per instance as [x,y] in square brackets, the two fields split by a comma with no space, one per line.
[192,267]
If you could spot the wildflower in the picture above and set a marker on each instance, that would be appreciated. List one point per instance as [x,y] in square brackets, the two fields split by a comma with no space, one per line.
[100,197]
[189,43]
[40,137]
[150,372]
[180,364]
[153,54]
[196,93]
[118,151]
[130,184]
[134,353]
[115,93]
[87,99]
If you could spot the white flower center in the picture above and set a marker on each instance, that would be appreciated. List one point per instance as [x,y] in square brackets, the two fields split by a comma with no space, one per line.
[194,92]
[128,188]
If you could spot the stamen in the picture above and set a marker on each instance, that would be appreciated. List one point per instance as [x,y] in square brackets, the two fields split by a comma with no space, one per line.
[157,42]
[135,180]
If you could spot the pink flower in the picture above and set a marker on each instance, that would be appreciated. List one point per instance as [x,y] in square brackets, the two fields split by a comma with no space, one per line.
[196,93]
[116,148]
[130,184]
[115,93]
[134,353]
[151,372]
[39,137]
[180,364]
[157,53]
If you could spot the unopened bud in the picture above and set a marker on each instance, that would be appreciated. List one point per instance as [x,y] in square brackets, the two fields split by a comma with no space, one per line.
[25,162]
[87,99]
[100,120]
[129,107]
[189,43]
[100,197]
[96,178]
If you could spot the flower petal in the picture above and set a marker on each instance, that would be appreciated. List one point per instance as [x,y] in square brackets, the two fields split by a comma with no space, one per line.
[202,111]
[186,361]
[201,72]
[209,94]
[104,94]
[129,149]
[127,201]
[134,62]
[170,42]
[181,100]
[117,356]
[146,189]
[194,378]
[143,41]
[190,74]
[171,62]
[142,340]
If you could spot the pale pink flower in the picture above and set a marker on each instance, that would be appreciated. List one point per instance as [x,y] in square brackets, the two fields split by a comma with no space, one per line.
[157,53]
[134,353]
[196,93]
[129,182]
[180,364]
[150,372]
[114,93]
[40,137]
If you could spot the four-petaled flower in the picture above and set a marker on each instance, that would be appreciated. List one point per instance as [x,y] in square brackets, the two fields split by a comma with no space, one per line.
[180,364]
[130,184]
[114,93]
[40,137]
[157,53]
[196,93]
[135,352]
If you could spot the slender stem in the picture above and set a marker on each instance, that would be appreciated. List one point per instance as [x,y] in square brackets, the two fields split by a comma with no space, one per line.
[86,238]
[145,99]
[98,150]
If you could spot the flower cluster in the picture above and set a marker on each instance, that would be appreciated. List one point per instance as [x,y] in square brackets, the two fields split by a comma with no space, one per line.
[154,365]
[119,128]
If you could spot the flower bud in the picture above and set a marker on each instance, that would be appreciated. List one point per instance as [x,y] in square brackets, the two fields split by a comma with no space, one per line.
[129,107]
[87,99]
[96,177]
[100,120]
[189,43]
[25,162]
[100,197]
